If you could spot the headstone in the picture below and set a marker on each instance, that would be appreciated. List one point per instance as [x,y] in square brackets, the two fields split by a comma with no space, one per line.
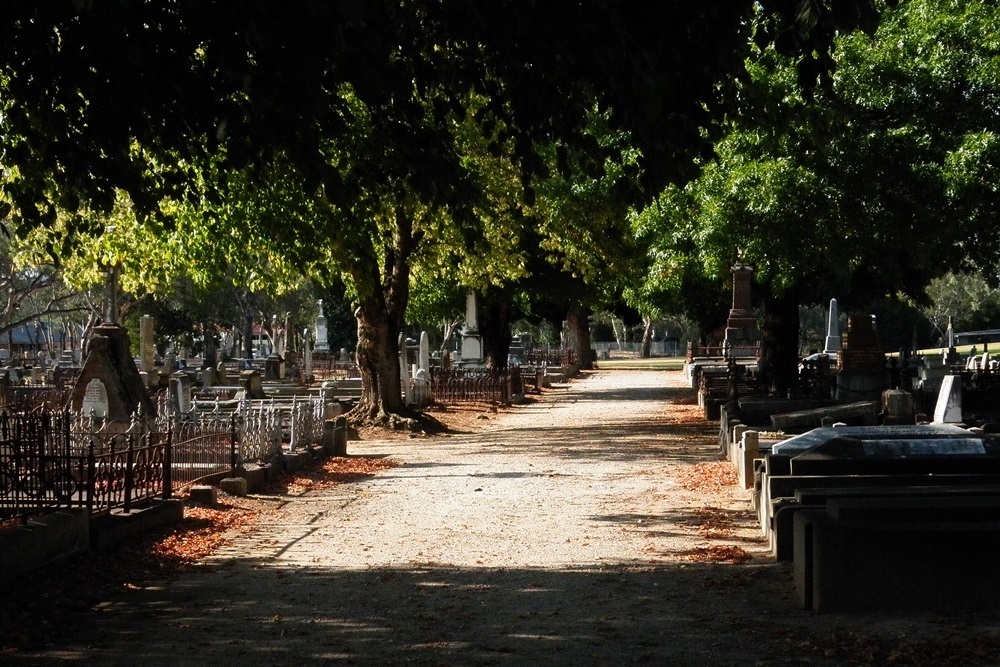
[472,342]
[424,357]
[897,406]
[183,388]
[948,409]
[95,399]
[832,329]
[109,361]
[251,385]
[742,334]
[222,373]
[322,342]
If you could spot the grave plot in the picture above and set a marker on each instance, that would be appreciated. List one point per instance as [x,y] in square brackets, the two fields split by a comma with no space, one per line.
[885,517]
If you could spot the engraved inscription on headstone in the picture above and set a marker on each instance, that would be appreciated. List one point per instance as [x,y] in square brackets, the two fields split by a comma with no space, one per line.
[95,398]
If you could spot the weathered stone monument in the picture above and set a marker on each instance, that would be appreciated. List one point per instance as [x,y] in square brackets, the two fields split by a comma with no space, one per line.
[424,356]
[307,350]
[833,342]
[472,342]
[404,371]
[322,342]
[742,334]
[109,383]
[862,374]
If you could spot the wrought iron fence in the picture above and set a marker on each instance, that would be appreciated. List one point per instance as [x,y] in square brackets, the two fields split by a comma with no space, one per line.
[550,357]
[203,446]
[329,368]
[45,465]
[134,468]
[465,385]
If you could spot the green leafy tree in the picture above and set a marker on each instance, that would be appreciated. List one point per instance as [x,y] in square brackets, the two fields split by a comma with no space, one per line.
[341,115]
[845,192]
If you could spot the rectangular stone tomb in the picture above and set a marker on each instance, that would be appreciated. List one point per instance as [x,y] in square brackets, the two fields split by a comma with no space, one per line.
[881,554]
[794,494]
[779,493]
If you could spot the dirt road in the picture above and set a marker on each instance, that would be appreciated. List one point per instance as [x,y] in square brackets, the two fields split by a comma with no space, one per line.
[560,534]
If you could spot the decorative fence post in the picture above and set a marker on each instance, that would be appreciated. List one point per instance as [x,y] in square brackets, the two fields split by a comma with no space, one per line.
[129,472]
[91,486]
[233,446]
[168,479]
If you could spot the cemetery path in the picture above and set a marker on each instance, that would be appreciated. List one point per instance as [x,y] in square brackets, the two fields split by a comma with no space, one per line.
[581,529]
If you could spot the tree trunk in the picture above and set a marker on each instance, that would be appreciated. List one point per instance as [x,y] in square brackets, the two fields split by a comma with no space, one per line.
[494,327]
[378,361]
[779,343]
[380,313]
[647,338]
[578,337]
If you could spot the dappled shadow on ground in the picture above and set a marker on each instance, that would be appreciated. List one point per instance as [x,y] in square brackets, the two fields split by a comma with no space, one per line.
[644,613]
[624,441]
[428,615]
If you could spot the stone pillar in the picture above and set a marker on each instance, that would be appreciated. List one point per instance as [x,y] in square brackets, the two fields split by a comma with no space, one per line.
[741,327]
[404,370]
[322,338]
[307,357]
[424,358]
[472,342]
[833,329]
[147,344]
[471,314]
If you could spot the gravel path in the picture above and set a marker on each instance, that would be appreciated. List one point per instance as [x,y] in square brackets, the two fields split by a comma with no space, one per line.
[557,535]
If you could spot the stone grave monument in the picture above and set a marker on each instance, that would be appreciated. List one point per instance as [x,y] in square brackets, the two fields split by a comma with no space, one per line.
[472,341]
[742,334]
[322,342]
[833,342]
[862,374]
[109,383]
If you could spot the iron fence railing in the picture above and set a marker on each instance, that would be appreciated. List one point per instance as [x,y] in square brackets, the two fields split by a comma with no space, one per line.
[465,385]
[559,357]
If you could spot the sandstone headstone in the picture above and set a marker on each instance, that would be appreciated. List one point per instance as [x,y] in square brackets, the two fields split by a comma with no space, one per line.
[109,360]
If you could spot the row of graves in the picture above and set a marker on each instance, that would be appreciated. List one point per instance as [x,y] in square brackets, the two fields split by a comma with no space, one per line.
[110,432]
[880,482]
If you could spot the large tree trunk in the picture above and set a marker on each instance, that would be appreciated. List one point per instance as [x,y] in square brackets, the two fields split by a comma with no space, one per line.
[494,327]
[382,297]
[378,361]
[780,343]
[578,336]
